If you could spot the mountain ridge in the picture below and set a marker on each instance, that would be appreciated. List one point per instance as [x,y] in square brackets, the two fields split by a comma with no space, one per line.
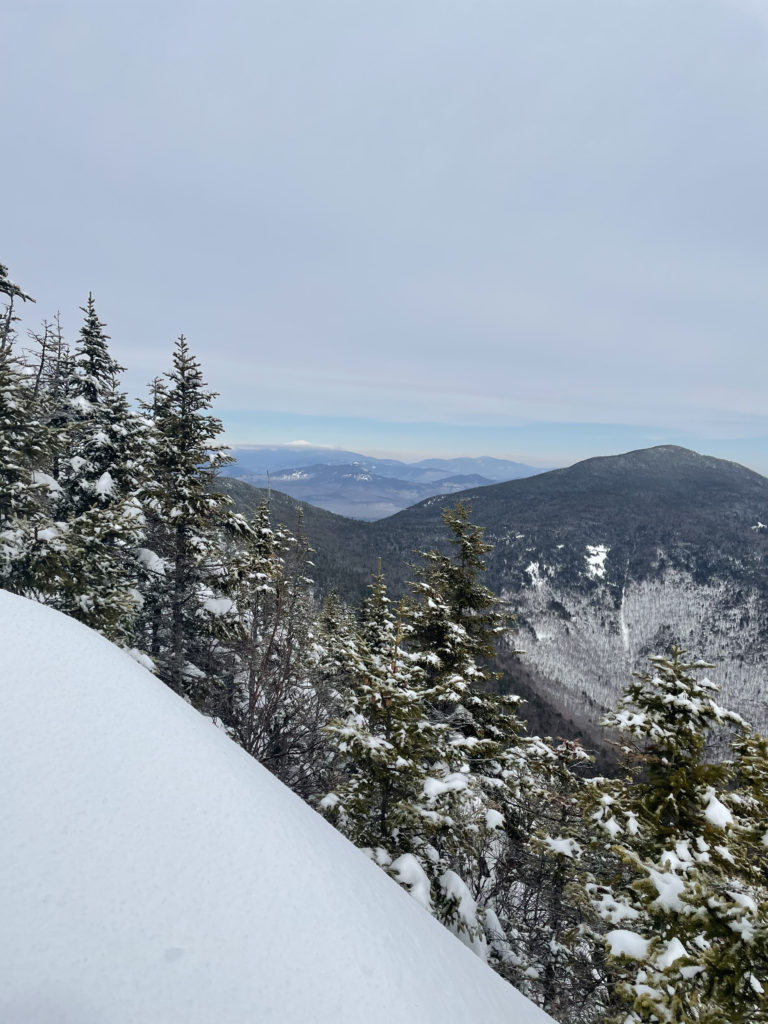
[359,486]
[603,563]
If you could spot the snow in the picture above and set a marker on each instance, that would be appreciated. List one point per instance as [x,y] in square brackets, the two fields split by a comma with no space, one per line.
[596,556]
[669,886]
[566,847]
[466,909]
[218,606]
[151,561]
[716,812]
[452,783]
[44,480]
[622,942]
[623,627]
[407,870]
[493,819]
[105,486]
[535,574]
[161,875]
[675,949]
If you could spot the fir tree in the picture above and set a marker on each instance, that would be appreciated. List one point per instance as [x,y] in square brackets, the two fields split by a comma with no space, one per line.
[457,621]
[98,479]
[693,945]
[185,521]
[22,485]
[384,737]
[385,745]
[271,700]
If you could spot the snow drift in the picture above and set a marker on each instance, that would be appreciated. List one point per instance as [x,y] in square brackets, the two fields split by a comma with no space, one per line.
[152,872]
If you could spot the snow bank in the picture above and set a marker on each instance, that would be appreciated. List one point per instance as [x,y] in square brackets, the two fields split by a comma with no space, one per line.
[154,873]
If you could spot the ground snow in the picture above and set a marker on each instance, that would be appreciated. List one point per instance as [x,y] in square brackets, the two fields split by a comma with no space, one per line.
[155,873]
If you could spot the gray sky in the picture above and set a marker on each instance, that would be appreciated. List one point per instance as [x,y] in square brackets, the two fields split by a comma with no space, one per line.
[533,229]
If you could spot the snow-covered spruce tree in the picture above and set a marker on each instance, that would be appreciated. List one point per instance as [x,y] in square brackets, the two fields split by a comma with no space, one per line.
[382,737]
[516,826]
[99,471]
[750,801]
[337,643]
[456,622]
[549,942]
[692,941]
[271,701]
[387,746]
[736,961]
[185,521]
[23,516]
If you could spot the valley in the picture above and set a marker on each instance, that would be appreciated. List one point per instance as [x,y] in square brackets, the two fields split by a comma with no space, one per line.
[601,564]
[361,487]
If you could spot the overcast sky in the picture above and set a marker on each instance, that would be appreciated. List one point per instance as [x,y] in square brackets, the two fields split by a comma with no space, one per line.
[528,228]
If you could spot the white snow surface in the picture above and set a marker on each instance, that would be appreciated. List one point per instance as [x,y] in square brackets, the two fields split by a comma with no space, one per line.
[622,942]
[596,556]
[155,873]
[716,812]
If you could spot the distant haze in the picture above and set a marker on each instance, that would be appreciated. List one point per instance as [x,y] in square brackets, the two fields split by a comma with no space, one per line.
[534,229]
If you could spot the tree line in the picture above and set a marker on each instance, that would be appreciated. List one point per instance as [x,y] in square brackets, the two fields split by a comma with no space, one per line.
[637,898]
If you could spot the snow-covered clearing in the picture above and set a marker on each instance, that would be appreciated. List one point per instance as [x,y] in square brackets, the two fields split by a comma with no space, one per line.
[596,556]
[154,873]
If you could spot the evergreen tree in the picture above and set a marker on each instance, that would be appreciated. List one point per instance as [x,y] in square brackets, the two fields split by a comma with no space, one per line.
[186,519]
[29,541]
[22,489]
[548,940]
[429,754]
[457,621]
[271,700]
[98,477]
[695,948]
[383,736]
[387,746]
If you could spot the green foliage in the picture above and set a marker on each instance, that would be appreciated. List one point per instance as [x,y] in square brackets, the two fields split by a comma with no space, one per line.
[271,700]
[22,453]
[679,878]
[185,519]
[96,443]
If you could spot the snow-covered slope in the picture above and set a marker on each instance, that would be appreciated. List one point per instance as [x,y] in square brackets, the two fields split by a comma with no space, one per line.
[152,872]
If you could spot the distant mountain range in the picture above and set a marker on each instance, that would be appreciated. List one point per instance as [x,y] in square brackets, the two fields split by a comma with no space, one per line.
[603,563]
[355,485]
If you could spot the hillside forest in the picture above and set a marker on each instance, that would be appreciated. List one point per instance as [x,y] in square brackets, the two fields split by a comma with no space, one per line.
[639,897]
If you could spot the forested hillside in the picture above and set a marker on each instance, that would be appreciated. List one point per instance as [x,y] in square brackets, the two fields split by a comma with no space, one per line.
[638,898]
[603,564]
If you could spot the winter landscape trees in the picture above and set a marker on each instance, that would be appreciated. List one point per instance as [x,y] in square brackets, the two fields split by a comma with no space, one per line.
[637,898]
